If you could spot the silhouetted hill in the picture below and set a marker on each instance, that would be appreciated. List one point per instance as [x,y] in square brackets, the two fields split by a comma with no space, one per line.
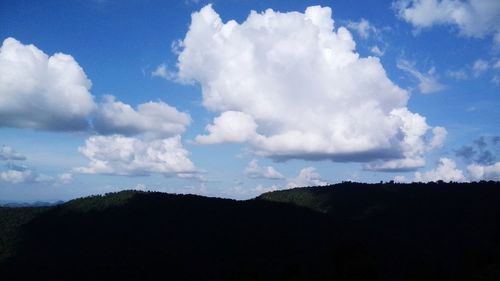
[348,231]
[442,228]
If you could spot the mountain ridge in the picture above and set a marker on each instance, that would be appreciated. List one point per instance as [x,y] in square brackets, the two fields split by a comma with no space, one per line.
[348,231]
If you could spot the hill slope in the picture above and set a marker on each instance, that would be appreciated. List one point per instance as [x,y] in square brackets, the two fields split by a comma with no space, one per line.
[342,232]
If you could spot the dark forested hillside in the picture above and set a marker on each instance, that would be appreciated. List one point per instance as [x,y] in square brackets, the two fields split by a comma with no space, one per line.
[348,231]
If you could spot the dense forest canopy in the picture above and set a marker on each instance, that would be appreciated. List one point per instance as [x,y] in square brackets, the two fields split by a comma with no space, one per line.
[347,231]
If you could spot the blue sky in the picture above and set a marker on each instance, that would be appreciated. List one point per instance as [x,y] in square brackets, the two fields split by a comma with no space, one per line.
[211,98]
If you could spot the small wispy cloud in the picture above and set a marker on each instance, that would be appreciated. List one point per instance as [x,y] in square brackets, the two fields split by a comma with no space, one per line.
[8,153]
[307,177]
[363,27]
[458,74]
[479,67]
[427,81]
[163,72]
[253,170]
[377,51]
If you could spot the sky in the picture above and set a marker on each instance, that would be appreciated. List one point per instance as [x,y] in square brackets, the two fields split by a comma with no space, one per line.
[232,98]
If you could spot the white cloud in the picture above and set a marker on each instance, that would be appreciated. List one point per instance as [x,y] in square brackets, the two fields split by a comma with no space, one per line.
[307,177]
[40,91]
[476,69]
[397,165]
[163,72]
[484,172]
[156,119]
[200,188]
[413,127]
[41,178]
[65,178]
[292,86]
[230,126]
[495,80]
[259,189]
[376,51]
[140,187]
[479,67]
[190,2]
[16,176]
[428,82]
[445,171]
[472,18]
[363,28]
[138,141]
[22,174]
[119,155]
[176,48]
[439,135]
[253,170]
[497,64]
[8,153]
[52,93]
[458,74]
[400,179]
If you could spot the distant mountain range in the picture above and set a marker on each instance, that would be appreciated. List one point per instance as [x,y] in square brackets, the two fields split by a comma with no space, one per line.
[348,231]
[5,203]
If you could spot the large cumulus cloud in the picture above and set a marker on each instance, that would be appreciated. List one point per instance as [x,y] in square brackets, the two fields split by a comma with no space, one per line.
[53,93]
[301,90]
[153,119]
[137,141]
[40,91]
[130,156]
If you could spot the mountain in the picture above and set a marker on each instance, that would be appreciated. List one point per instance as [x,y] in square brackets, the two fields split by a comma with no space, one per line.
[4,203]
[349,231]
